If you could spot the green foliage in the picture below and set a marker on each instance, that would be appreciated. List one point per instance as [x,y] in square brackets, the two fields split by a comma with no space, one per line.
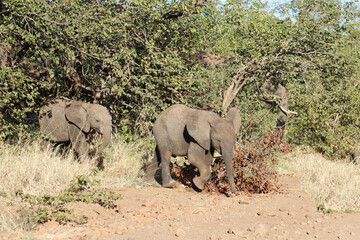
[324,210]
[329,120]
[139,57]
[18,98]
[326,92]
[44,208]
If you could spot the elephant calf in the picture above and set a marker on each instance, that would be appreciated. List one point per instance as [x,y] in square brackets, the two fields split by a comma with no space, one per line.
[65,120]
[181,131]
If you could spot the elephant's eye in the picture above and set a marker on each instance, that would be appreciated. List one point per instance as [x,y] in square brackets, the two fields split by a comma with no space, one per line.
[97,120]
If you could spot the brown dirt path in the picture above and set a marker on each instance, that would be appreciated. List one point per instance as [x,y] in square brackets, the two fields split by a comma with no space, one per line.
[159,213]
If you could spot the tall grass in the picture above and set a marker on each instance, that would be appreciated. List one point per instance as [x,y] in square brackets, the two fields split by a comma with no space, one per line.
[123,164]
[35,171]
[38,171]
[334,184]
[27,167]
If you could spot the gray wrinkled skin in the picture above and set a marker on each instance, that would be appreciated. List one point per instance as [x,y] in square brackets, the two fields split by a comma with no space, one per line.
[182,131]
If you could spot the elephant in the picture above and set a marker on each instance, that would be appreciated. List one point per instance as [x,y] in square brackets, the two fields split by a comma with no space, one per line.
[282,112]
[183,131]
[64,120]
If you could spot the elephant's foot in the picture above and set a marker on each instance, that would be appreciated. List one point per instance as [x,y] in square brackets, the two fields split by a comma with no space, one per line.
[199,183]
[169,184]
[150,180]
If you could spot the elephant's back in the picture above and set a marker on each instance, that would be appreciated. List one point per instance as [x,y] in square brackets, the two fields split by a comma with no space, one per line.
[169,129]
[52,120]
[173,117]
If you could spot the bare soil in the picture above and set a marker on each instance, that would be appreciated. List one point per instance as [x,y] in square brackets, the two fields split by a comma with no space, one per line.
[160,213]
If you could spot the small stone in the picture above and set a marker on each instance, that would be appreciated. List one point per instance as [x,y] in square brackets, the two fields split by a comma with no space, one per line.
[237,233]
[242,202]
[180,233]
[213,237]
[291,214]
[230,231]
[250,229]
[148,204]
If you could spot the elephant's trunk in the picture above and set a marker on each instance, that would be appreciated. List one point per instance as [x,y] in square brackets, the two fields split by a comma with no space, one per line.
[228,157]
[106,132]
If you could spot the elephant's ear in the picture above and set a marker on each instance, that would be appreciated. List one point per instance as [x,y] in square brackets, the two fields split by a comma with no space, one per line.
[233,116]
[198,127]
[77,114]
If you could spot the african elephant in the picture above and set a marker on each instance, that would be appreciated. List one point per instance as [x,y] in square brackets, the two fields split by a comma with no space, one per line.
[280,91]
[65,120]
[181,131]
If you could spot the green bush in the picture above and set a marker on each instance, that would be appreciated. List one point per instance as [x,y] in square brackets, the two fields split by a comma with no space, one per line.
[139,57]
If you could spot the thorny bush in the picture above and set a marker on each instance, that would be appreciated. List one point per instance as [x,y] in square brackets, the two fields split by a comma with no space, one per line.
[253,166]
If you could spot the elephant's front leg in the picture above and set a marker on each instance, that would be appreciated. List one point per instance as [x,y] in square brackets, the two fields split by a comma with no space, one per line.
[78,141]
[201,159]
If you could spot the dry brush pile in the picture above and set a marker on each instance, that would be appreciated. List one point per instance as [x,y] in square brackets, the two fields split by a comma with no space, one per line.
[253,165]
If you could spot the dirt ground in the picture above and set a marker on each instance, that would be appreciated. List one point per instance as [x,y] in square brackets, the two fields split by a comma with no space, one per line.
[159,213]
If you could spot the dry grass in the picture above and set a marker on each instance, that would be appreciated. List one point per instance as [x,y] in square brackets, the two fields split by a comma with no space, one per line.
[7,221]
[334,184]
[35,171]
[27,167]
[38,171]
[124,163]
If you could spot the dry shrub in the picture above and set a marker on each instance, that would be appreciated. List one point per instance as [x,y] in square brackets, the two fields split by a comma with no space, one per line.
[253,166]
[333,184]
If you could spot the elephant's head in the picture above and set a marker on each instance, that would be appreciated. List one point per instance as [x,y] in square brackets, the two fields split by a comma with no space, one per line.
[90,116]
[211,131]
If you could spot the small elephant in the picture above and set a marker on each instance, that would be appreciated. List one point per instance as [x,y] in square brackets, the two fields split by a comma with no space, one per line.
[181,131]
[65,120]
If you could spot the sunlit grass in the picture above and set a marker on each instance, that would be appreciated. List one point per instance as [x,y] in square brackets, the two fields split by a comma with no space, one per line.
[27,167]
[124,165]
[37,171]
[335,184]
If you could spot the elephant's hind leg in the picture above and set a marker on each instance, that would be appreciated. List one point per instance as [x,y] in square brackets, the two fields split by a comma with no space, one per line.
[167,181]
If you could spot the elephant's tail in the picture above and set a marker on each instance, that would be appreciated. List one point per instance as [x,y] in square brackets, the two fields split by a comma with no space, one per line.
[146,155]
